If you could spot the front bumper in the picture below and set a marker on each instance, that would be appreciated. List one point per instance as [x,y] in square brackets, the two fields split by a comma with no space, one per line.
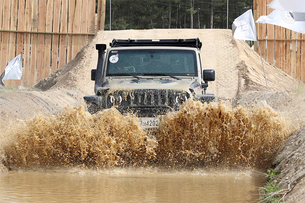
[143,102]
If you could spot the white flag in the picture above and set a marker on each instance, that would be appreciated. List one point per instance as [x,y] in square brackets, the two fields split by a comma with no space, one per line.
[288,5]
[244,27]
[283,19]
[295,7]
[13,70]
[297,16]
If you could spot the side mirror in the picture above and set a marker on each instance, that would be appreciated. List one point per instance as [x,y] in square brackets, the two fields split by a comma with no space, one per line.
[209,75]
[93,73]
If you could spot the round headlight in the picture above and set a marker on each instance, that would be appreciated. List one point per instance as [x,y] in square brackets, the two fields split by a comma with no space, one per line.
[181,98]
[116,99]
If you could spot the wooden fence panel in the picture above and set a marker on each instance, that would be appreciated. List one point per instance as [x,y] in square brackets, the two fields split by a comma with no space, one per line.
[27,43]
[99,11]
[11,37]
[270,35]
[278,47]
[91,19]
[83,23]
[41,28]
[298,57]
[76,28]
[262,28]
[288,51]
[101,14]
[49,34]
[281,47]
[13,26]
[63,38]
[55,38]
[293,51]
[20,27]
[71,12]
[48,40]
[5,36]
[285,48]
[34,43]
[303,58]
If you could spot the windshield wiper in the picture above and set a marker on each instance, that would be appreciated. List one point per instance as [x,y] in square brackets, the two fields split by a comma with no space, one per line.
[128,74]
[162,74]
[134,76]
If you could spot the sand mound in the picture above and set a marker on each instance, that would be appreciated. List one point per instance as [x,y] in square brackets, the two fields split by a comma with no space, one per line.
[238,68]
[239,74]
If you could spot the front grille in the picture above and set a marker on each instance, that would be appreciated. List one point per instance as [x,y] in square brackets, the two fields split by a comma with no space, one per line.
[146,100]
[150,97]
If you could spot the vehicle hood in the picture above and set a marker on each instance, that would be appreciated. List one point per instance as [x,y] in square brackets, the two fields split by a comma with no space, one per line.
[182,84]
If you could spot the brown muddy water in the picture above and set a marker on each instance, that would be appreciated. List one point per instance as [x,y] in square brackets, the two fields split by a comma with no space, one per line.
[127,185]
[193,156]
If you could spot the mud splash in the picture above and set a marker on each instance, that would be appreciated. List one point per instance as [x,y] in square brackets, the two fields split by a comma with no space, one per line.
[74,137]
[198,135]
[219,135]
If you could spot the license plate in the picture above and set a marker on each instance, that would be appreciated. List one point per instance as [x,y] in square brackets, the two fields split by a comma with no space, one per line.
[149,122]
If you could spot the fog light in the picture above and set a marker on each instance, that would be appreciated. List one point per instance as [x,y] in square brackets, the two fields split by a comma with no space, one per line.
[181,98]
[116,99]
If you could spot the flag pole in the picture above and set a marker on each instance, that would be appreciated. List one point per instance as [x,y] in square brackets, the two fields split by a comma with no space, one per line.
[263,64]
[22,70]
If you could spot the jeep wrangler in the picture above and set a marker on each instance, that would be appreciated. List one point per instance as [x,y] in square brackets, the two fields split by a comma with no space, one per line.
[149,77]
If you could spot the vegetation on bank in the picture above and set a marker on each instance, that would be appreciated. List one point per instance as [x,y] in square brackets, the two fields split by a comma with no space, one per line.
[7,89]
[271,192]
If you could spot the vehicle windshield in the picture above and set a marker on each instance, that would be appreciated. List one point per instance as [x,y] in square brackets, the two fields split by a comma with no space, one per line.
[152,62]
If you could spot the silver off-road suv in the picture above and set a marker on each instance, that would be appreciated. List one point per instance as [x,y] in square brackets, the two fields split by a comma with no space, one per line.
[149,77]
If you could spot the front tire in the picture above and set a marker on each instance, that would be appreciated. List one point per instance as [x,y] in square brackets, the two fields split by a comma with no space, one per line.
[93,108]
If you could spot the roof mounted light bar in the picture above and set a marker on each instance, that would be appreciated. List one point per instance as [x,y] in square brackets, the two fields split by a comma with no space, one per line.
[194,42]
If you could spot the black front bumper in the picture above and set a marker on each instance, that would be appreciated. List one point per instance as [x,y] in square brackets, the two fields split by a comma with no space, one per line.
[142,102]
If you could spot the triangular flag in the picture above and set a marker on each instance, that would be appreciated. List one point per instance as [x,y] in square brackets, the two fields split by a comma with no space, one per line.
[244,27]
[13,70]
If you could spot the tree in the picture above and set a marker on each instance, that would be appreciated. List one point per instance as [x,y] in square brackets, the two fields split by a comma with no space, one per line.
[147,14]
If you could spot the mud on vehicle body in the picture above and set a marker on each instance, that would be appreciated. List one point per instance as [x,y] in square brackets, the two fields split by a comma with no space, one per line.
[149,77]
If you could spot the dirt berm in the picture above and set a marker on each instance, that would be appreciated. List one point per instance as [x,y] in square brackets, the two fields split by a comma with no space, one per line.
[240,79]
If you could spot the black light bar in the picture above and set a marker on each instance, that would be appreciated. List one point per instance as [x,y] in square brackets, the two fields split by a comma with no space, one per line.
[194,42]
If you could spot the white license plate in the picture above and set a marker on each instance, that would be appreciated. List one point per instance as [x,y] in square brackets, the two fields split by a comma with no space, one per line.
[149,122]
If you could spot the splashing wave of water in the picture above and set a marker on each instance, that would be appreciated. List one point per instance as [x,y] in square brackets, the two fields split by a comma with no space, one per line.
[197,135]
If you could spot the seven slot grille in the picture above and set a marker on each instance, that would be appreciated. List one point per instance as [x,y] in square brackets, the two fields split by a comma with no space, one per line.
[147,97]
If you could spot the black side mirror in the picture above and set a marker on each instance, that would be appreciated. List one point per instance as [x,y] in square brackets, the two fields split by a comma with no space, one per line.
[209,75]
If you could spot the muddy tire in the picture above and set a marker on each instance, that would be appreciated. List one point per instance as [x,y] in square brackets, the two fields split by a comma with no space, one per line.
[93,108]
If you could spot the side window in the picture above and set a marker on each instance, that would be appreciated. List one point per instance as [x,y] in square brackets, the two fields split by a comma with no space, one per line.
[200,68]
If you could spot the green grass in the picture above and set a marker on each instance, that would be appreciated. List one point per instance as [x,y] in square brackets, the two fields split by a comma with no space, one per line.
[15,89]
[299,90]
[7,89]
[272,174]
[270,191]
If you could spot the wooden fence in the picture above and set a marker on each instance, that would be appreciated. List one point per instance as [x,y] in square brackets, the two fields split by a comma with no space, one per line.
[281,47]
[49,33]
